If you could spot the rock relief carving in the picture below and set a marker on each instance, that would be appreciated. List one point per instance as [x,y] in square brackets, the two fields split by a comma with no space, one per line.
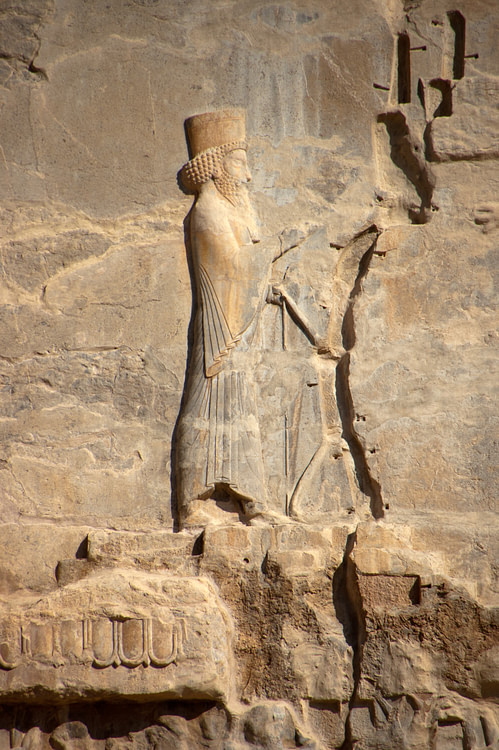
[101,642]
[159,726]
[219,449]
[422,720]
[86,638]
[218,438]
[254,436]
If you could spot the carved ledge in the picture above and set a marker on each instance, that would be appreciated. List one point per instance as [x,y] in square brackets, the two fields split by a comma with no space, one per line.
[118,633]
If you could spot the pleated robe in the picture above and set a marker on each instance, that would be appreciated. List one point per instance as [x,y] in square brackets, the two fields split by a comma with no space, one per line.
[218,434]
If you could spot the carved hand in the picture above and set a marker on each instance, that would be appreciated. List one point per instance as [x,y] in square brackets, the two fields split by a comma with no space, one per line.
[275,296]
[324,348]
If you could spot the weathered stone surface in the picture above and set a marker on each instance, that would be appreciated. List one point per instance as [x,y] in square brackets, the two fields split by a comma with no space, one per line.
[361,611]
[117,634]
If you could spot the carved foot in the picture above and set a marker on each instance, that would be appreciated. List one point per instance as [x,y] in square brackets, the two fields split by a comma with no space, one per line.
[204,513]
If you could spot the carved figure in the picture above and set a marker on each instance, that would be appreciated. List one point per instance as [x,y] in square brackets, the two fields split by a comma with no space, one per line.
[219,453]
[218,441]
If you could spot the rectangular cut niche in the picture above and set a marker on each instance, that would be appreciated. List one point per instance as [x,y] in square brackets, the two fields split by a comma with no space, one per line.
[458,25]
[389,590]
[403,69]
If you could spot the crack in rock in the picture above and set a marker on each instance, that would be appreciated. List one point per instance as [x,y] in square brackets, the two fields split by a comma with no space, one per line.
[368,485]
[347,600]
[408,156]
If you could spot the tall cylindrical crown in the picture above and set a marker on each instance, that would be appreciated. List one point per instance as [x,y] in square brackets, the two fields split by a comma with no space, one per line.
[215,129]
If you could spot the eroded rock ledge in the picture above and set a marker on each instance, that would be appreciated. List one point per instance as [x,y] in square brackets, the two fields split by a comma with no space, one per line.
[363,637]
[361,612]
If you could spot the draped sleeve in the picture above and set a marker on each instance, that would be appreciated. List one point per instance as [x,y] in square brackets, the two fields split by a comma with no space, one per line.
[217,337]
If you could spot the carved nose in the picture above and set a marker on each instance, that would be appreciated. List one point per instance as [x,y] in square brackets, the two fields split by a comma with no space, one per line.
[248,176]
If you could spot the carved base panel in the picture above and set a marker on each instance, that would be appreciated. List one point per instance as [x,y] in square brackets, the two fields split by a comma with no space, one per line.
[117,633]
[154,726]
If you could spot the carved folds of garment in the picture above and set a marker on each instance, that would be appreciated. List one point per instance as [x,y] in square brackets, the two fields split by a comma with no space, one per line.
[218,433]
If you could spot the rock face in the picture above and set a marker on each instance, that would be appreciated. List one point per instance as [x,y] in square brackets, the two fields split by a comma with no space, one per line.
[332,583]
[116,634]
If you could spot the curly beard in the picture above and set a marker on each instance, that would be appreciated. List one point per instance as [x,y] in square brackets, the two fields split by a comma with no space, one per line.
[229,187]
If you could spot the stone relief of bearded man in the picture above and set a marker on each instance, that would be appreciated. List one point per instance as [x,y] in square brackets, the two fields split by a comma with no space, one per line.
[218,445]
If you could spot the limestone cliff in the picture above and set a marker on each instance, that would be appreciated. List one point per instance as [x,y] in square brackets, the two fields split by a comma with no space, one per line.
[360,611]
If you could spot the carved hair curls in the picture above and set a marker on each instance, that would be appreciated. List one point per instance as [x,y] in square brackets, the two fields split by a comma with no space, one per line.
[203,167]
